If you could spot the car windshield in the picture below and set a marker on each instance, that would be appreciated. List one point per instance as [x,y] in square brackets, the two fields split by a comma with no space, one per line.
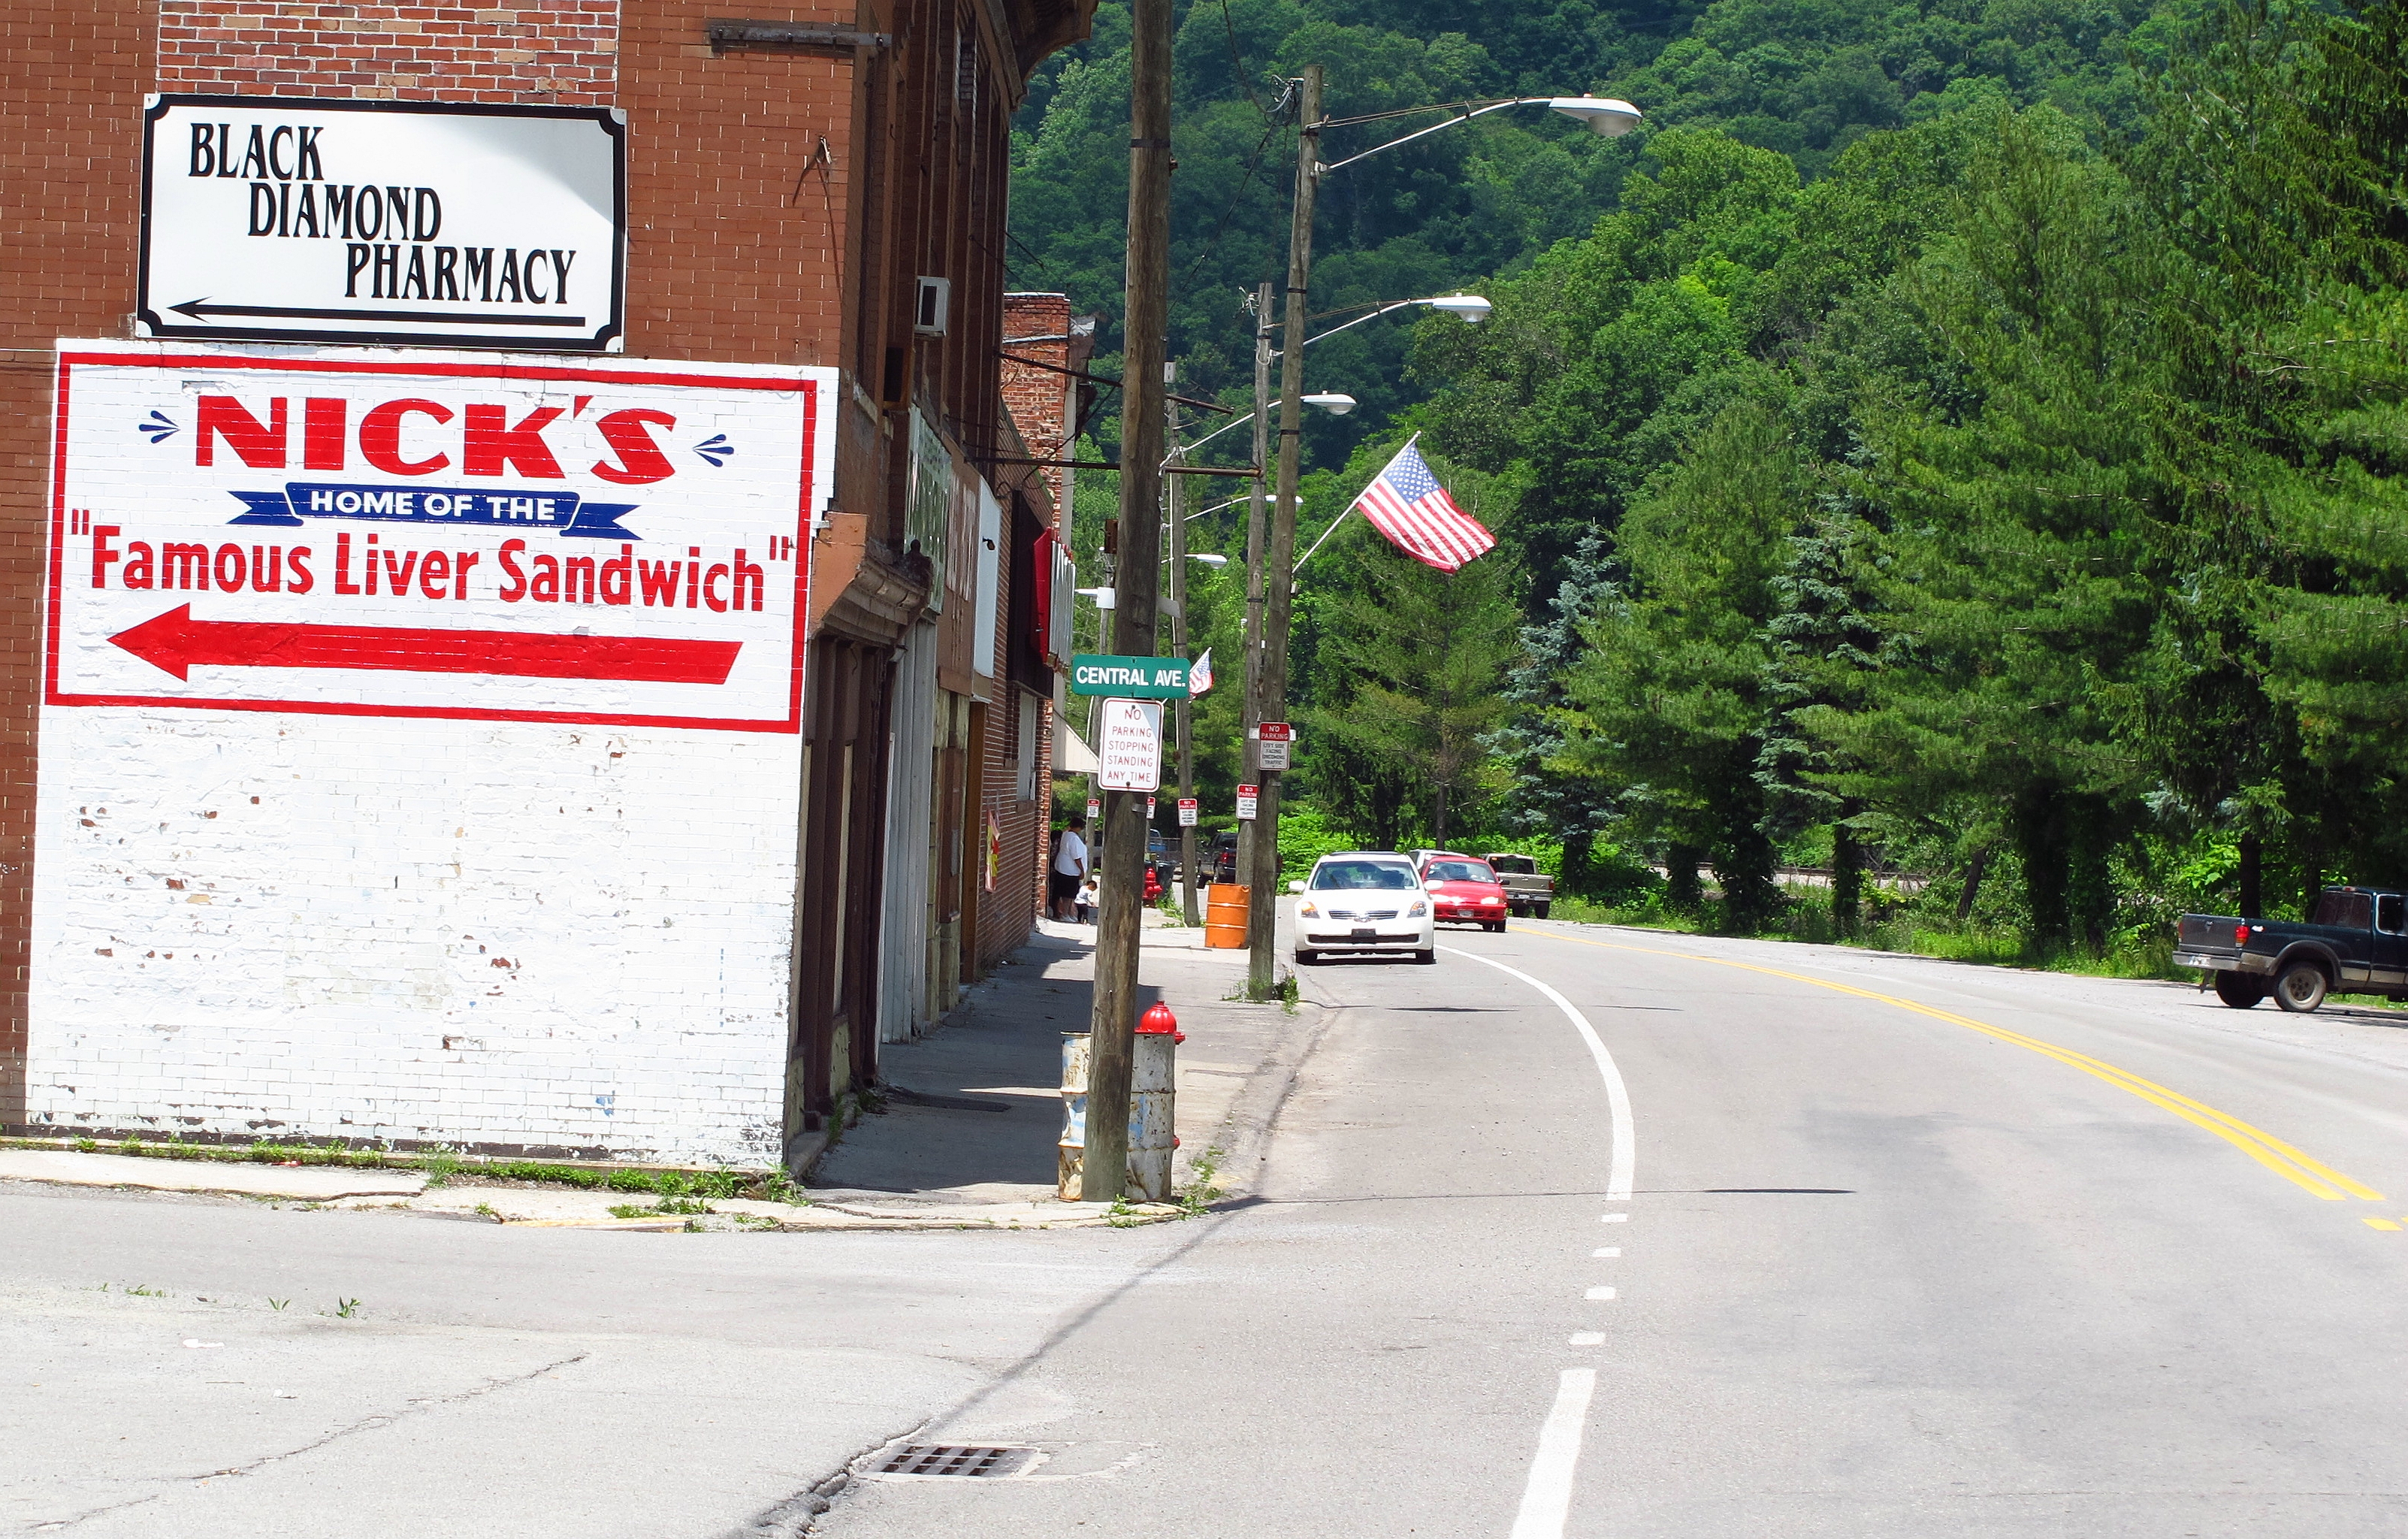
[1349,875]
[1458,870]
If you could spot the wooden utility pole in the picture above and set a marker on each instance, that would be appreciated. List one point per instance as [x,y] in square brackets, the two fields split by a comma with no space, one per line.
[1251,654]
[1279,583]
[1121,873]
[1177,522]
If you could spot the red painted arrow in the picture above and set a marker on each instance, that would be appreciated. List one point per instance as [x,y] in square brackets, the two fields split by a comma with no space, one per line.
[177,643]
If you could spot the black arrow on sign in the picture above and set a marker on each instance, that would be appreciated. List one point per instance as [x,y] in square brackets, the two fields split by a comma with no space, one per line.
[201,310]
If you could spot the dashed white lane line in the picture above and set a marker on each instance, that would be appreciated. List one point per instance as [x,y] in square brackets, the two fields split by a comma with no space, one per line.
[1607,1250]
[1614,1219]
[1617,1096]
[1547,1498]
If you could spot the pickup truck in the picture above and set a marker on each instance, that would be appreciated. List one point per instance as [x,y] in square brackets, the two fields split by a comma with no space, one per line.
[1527,891]
[2355,940]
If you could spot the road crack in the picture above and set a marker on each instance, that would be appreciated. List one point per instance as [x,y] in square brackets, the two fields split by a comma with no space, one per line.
[366,1424]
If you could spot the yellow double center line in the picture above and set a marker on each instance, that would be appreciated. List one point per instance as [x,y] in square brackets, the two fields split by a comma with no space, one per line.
[2264,1147]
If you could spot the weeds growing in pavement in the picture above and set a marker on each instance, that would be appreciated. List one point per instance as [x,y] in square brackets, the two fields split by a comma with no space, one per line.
[277,1305]
[666,1204]
[144,1290]
[1196,1198]
[441,1163]
[346,1308]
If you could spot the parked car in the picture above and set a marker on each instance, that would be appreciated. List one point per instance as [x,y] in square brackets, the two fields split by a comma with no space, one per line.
[2355,938]
[1220,861]
[1463,889]
[1363,902]
[1528,889]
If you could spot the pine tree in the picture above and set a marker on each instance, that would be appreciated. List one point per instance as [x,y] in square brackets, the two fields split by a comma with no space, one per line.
[1542,799]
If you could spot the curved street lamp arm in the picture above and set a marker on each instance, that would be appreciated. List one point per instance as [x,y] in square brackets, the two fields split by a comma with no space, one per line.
[1463,117]
[1235,422]
[1374,315]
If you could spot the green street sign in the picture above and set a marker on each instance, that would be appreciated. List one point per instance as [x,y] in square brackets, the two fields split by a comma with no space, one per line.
[1129,678]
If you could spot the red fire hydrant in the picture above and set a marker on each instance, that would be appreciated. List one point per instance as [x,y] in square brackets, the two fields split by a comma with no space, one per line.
[1152,884]
[1159,1021]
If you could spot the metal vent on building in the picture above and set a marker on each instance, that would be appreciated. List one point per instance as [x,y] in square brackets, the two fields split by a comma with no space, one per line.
[970,1459]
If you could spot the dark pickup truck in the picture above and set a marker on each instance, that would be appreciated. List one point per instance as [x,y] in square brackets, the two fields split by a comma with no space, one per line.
[2356,942]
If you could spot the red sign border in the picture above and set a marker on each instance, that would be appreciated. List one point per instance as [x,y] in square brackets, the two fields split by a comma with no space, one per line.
[793,723]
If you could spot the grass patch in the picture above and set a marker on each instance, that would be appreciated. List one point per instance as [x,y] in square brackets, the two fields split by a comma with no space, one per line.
[446,1165]
[680,1205]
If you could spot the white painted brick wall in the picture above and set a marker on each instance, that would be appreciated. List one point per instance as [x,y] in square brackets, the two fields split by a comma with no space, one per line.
[267,923]
[351,889]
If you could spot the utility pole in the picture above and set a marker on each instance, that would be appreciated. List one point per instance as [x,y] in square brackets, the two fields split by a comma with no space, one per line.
[1121,877]
[1278,577]
[1251,654]
[1173,497]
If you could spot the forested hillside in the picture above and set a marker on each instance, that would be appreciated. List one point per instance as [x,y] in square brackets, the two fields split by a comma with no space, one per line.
[1805,76]
[1987,470]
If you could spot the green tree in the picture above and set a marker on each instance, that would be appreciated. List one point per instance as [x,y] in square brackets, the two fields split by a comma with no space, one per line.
[1669,706]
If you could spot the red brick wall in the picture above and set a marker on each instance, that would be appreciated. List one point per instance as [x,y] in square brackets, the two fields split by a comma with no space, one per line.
[746,171]
[70,147]
[1038,398]
[537,51]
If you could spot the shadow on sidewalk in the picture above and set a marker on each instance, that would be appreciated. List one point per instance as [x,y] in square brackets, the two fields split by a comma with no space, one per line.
[973,1109]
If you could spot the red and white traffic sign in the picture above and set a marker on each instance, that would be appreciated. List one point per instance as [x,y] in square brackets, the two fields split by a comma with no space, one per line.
[1187,812]
[1246,797]
[1278,739]
[1129,744]
[434,534]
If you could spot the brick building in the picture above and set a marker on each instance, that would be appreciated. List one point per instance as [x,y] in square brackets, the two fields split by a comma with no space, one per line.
[652,935]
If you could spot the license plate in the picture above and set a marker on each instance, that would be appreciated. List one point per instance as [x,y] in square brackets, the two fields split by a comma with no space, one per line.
[1361,934]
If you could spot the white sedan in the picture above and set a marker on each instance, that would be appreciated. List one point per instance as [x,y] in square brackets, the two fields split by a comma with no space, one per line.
[1363,902]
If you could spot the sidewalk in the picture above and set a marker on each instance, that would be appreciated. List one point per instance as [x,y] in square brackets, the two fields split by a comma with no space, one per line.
[974,1113]
[968,1139]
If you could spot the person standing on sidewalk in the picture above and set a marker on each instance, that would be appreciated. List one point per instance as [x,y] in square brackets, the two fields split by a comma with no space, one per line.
[1069,868]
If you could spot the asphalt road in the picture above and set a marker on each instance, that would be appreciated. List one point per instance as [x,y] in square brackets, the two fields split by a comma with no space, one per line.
[1878,1248]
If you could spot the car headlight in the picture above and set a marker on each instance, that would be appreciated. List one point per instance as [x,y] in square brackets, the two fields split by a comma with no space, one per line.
[1417,911]
[1492,901]
[1305,908]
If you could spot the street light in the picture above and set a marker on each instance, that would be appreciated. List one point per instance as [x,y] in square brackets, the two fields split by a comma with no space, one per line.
[1605,115]
[1473,308]
[1337,406]
[1271,592]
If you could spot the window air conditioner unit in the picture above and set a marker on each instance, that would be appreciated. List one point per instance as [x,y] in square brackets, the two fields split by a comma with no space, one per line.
[935,305]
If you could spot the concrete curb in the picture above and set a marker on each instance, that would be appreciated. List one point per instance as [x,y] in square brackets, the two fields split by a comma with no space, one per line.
[233,1178]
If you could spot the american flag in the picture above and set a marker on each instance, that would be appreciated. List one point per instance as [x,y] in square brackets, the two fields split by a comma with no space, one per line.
[1408,505]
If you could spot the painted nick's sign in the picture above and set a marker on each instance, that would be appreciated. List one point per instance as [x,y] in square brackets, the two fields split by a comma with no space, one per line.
[382,221]
[451,535]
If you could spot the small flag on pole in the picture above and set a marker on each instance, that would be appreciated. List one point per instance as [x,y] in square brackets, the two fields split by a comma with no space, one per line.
[1408,505]
[1200,673]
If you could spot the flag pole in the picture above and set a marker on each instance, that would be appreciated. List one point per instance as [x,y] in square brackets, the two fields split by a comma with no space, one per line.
[1323,541]
[1349,508]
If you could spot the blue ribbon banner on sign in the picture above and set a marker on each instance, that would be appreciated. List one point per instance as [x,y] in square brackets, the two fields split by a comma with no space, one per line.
[564,512]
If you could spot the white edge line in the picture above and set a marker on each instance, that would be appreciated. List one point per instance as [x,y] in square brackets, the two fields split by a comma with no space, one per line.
[1618,1175]
[1547,1499]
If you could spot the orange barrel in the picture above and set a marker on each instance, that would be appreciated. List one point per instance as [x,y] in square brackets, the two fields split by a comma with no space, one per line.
[1225,916]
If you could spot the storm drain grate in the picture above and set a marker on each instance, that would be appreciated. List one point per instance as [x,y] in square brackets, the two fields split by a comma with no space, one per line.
[970,1459]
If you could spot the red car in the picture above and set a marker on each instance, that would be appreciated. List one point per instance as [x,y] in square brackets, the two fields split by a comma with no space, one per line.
[1463,890]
